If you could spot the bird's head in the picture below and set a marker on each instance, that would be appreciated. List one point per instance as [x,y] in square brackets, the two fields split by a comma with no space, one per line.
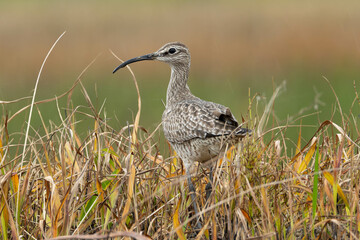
[175,54]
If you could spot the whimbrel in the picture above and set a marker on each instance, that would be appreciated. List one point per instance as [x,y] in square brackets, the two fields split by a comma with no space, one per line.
[197,130]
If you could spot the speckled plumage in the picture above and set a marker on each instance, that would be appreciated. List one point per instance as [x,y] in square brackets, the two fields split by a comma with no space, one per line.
[198,130]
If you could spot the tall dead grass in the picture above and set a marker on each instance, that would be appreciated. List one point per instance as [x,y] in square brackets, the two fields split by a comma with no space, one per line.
[115,183]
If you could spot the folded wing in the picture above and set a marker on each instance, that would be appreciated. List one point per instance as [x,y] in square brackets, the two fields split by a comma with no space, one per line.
[199,119]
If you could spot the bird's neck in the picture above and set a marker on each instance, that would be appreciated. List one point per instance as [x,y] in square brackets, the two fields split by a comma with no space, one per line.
[178,89]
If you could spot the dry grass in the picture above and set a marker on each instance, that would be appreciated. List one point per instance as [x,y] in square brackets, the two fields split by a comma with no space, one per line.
[115,183]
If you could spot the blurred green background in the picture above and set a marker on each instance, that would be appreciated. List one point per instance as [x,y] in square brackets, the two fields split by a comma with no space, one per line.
[235,46]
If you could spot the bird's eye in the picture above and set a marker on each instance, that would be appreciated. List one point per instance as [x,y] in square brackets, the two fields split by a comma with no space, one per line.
[172,50]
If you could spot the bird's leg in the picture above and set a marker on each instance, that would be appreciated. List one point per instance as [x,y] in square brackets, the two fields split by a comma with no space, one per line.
[208,187]
[193,199]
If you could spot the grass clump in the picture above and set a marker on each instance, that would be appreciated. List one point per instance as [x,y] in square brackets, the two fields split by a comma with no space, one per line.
[115,183]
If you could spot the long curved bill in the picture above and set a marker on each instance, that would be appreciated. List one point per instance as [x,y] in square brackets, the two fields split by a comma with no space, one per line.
[150,56]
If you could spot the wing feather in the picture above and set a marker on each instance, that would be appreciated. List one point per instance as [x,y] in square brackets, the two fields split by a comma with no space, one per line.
[197,119]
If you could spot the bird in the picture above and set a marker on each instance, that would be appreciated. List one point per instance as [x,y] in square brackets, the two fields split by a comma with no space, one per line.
[197,130]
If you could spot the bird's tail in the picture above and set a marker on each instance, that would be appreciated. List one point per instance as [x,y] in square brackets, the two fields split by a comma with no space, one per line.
[242,132]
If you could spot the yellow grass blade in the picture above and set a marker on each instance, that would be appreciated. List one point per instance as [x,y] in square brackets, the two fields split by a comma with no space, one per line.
[100,191]
[246,215]
[307,158]
[350,151]
[177,225]
[1,149]
[323,124]
[48,164]
[15,181]
[230,152]
[54,204]
[173,164]
[59,209]
[4,212]
[10,217]
[130,195]
[329,177]
[237,184]
[100,198]
[70,157]
[95,145]
[298,146]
